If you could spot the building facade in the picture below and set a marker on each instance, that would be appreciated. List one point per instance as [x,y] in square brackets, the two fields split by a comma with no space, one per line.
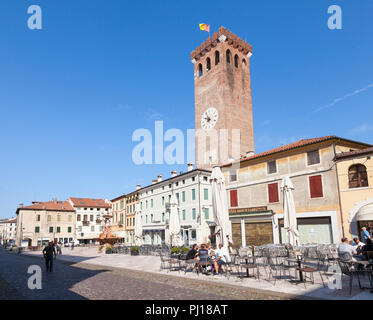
[254,194]
[355,184]
[89,218]
[193,191]
[8,229]
[42,222]
[132,200]
[119,213]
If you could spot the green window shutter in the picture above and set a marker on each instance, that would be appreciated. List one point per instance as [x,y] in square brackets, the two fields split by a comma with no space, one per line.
[206,194]
[50,229]
[206,213]
[193,194]
[58,229]
[183,196]
[69,229]
[184,215]
[151,203]
[194,214]
[37,229]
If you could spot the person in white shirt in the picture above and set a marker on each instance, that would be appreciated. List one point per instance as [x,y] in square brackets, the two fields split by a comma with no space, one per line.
[224,253]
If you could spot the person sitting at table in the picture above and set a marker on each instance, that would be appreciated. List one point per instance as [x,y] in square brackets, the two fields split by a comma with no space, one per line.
[347,251]
[224,254]
[191,255]
[367,247]
[203,256]
[356,243]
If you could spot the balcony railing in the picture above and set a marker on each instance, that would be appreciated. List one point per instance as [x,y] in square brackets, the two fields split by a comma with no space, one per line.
[85,223]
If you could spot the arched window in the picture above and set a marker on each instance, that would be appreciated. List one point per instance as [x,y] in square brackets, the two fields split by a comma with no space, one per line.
[244,65]
[200,72]
[208,64]
[236,61]
[357,176]
[228,56]
[217,57]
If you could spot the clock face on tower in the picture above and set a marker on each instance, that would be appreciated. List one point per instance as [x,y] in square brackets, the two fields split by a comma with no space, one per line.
[209,118]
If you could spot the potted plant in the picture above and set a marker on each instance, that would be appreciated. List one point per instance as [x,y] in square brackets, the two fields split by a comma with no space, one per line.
[134,251]
[175,252]
[108,249]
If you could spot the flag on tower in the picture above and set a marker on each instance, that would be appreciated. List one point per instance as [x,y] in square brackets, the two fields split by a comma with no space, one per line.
[204,27]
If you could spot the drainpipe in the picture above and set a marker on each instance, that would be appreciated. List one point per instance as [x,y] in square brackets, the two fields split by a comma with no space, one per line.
[339,191]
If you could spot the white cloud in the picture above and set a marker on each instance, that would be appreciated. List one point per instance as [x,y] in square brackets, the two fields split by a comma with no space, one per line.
[344,97]
[363,128]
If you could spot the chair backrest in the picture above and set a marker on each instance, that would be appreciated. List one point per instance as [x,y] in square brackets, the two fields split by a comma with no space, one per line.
[345,256]
[370,255]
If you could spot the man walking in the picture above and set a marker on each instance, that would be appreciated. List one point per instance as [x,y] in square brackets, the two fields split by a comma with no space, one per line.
[49,251]
[59,250]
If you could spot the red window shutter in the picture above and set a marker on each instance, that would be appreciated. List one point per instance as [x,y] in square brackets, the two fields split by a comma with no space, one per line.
[273,192]
[234,199]
[316,187]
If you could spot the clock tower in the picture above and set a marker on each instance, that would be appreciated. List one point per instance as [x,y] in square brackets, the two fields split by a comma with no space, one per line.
[223,104]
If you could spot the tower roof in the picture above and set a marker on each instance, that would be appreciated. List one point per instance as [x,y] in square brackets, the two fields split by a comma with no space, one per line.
[223,35]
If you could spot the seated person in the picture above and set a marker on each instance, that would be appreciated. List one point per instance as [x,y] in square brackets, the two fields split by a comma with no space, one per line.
[224,253]
[191,255]
[367,247]
[215,258]
[203,256]
[345,250]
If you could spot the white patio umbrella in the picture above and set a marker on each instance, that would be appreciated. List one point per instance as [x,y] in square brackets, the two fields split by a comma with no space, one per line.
[138,227]
[290,219]
[174,223]
[220,206]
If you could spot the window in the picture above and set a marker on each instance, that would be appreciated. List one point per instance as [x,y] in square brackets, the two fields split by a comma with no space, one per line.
[70,218]
[244,64]
[146,219]
[205,179]
[357,176]
[200,72]
[183,196]
[193,179]
[177,184]
[271,167]
[273,193]
[162,216]
[206,213]
[122,204]
[184,215]
[37,229]
[194,214]
[58,229]
[38,217]
[50,229]
[151,218]
[316,186]
[217,57]
[232,176]
[78,218]
[69,229]
[92,228]
[151,203]
[313,157]
[49,218]
[234,199]
[85,218]
[91,217]
[206,194]
[146,202]
[228,54]
[236,61]
[208,64]
[193,194]
[177,197]
[162,201]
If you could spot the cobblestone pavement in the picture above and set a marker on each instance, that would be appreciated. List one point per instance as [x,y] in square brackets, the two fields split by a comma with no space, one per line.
[78,281]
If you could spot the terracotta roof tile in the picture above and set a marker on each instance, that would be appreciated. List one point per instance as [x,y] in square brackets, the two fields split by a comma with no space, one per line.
[90,203]
[294,145]
[354,153]
[50,205]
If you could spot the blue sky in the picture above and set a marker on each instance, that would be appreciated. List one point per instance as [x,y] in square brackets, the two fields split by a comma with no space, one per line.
[72,94]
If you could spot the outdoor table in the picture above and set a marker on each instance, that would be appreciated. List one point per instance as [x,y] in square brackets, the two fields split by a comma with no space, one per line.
[299,262]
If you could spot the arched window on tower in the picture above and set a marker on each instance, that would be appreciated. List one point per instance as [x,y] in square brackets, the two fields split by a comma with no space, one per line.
[217,57]
[236,61]
[357,176]
[228,53]
[208,64]
[200,72]
[244,64]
